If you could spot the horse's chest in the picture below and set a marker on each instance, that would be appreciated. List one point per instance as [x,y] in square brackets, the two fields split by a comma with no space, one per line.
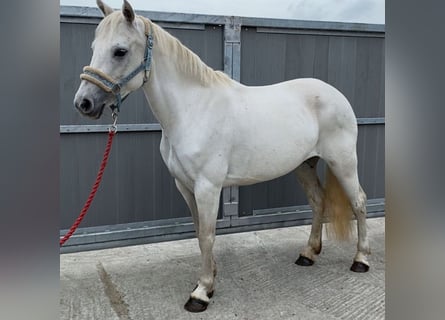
[174,164]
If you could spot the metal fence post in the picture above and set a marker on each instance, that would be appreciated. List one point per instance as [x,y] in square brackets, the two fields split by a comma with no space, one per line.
[232,47]
[232,67]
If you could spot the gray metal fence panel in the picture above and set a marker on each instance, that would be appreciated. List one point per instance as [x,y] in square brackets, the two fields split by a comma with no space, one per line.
[353,63]
[137,186]
[138,201]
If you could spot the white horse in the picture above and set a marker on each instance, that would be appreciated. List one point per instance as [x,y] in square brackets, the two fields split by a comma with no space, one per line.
[217,132]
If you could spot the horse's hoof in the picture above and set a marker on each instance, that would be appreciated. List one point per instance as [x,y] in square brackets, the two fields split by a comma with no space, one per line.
[359,267]
[196,305]
[304,261]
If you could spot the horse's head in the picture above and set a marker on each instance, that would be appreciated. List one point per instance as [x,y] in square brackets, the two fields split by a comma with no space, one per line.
[120,62]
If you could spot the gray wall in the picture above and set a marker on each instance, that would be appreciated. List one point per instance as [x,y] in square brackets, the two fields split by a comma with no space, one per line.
[138,195]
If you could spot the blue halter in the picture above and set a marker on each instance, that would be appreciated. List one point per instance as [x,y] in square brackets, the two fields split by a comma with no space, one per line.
[108,84]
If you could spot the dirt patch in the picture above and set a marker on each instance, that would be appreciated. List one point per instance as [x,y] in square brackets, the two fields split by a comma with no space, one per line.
[116,298]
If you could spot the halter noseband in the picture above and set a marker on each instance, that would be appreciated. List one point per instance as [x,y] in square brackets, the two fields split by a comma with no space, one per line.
[108,84]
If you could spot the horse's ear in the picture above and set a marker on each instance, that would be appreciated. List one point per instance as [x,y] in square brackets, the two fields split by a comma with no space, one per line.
[106,10]
[128,12]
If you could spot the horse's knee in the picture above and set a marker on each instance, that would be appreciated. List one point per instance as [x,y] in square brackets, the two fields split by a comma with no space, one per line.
[206,241]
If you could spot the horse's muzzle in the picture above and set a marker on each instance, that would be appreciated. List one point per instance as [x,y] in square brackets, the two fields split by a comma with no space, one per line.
[87,108]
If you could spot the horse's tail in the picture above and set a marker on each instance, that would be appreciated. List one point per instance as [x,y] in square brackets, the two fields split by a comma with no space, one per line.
[337,208]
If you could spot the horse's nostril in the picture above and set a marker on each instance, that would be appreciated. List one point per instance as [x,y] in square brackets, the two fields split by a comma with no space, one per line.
[85,106]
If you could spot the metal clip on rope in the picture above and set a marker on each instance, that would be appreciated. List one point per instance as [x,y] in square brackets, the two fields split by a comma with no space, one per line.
[113,127]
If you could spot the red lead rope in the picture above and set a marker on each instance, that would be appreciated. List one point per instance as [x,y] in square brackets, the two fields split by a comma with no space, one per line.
[93,189]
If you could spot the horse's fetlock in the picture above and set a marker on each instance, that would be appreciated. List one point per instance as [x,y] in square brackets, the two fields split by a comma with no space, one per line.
[207,283]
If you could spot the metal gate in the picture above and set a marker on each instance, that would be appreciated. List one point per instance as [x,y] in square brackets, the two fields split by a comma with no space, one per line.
[138,201]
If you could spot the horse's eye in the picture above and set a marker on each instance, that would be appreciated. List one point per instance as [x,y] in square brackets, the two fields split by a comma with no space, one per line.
[120,52]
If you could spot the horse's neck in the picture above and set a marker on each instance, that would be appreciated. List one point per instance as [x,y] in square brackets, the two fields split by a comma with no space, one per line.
[167,91]
[164,91]
[173,88]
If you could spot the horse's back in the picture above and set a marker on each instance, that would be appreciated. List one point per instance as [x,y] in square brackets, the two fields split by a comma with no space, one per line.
[330,109]
[297,97]
[279,126]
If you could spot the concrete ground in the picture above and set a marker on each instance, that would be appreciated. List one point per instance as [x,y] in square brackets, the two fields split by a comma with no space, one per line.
[257,279]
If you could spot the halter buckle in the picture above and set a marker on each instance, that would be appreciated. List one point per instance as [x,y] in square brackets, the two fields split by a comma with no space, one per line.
[116,88]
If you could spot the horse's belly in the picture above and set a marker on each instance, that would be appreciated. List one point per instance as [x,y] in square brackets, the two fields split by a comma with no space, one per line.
[271,141]
[269,159]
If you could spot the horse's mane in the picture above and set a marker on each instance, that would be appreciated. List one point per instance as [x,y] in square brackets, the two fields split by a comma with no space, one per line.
[187,61]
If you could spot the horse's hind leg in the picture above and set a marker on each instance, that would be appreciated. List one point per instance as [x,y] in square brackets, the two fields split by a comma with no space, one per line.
[307,176]
[346,173]
[360,263]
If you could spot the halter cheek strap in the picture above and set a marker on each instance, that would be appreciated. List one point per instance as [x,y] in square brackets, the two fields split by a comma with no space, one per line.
[108,84]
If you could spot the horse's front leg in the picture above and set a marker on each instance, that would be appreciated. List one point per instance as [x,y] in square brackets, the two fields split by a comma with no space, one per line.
[189,198]
[207,200]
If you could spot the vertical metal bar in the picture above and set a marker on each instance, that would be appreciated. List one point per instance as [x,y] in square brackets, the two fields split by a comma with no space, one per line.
[232,47]
[236,61]
[232,67]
